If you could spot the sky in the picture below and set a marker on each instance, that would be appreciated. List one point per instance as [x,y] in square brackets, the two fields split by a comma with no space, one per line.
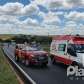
[42,17]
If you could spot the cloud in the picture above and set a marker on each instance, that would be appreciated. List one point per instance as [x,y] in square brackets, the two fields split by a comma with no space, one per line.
[75,16]
[74,3]
[31,22]
[11,8]
[18,9]
[65,4]
[70,24]
[30,9]
[55,4]
[40,2]
[9,29]
[50,24]
[60,4]
[50,18]
[8,19]
[71,27]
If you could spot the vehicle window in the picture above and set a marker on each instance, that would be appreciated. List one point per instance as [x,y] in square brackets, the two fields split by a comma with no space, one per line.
[61,47]
[71,50]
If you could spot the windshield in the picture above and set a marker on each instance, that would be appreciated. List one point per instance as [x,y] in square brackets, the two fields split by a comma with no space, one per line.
[77,47]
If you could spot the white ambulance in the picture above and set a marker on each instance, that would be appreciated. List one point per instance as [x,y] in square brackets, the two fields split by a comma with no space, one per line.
[67,49]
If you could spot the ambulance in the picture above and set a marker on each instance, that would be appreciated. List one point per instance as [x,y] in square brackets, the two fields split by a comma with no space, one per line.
[67,49]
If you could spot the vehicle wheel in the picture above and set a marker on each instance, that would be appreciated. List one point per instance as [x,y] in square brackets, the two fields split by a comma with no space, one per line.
[44,64]
[51,57]
[27,62]
[23,61]
[16,58]
[53,61]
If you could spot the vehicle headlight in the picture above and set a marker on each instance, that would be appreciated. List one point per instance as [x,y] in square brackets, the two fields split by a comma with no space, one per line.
[32,56]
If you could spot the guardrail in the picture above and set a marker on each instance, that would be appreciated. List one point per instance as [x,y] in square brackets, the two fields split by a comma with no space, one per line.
[27,79]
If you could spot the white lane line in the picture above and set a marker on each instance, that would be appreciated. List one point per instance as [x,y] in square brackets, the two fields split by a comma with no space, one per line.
[29,78]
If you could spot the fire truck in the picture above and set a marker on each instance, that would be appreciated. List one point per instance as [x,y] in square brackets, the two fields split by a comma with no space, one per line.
[67,49]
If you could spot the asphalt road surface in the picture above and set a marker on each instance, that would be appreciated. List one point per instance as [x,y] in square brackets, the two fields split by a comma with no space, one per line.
[52,74]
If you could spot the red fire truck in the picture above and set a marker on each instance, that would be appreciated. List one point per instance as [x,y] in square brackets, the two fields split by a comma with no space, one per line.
[31,56]
[67,49]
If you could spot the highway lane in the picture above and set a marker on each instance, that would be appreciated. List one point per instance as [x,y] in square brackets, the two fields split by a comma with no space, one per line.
[53,74]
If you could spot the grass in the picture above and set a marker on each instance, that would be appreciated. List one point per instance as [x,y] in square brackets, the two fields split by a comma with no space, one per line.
[5,37]
[7,75]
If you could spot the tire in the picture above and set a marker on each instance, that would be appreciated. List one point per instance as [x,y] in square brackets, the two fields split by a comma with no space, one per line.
[16,58]
[51,57]
[44,64]
[22,60]
[27,63]
[53,61]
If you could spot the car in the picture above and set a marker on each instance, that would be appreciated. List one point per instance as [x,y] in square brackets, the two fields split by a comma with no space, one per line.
[31,56]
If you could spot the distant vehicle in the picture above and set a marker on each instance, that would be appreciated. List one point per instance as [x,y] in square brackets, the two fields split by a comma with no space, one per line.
[31,56]
[67,49]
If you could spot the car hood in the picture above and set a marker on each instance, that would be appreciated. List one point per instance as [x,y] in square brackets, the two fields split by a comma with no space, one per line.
[37,52]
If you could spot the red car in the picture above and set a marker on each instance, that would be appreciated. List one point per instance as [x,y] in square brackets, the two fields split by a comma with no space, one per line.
[31,56]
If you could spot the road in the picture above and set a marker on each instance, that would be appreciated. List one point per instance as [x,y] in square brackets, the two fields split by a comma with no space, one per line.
[52,74]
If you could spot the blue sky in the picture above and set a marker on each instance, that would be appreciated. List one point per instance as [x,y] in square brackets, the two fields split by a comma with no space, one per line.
[52,16]
[25,2]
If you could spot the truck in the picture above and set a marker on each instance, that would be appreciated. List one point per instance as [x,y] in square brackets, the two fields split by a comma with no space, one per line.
[67,49]
[31,56]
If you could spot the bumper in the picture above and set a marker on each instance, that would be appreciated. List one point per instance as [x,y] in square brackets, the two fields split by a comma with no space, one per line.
[39,62]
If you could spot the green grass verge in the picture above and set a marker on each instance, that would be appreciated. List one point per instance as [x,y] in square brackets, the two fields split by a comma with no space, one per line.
[7,76]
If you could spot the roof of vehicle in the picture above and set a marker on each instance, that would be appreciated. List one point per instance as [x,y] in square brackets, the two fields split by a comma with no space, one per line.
[72,39]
